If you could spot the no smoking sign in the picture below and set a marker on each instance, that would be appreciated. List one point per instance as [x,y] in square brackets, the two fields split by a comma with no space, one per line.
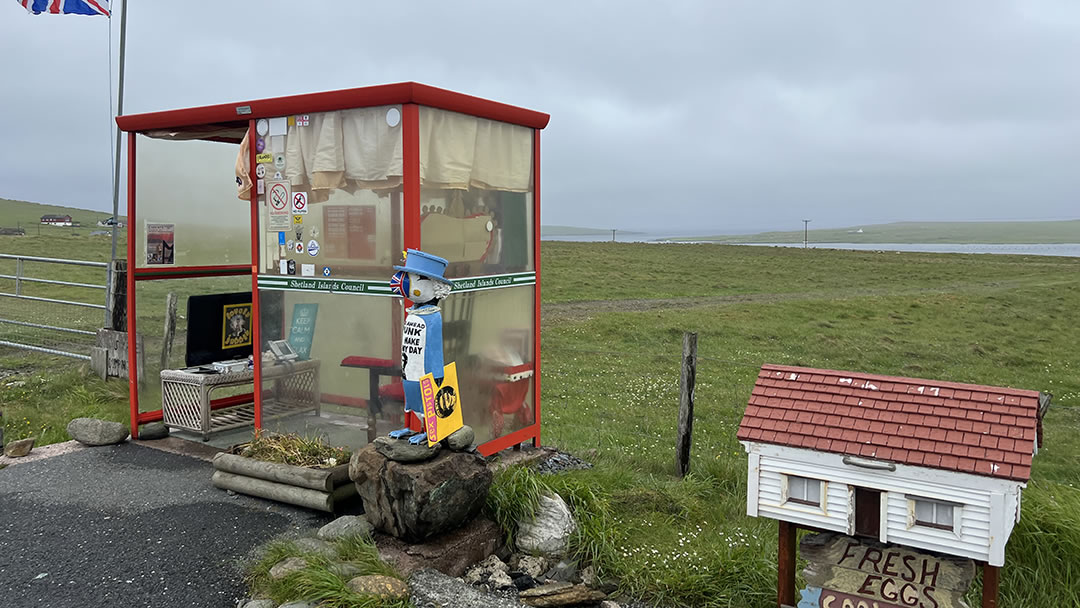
[299,203]
[279,196]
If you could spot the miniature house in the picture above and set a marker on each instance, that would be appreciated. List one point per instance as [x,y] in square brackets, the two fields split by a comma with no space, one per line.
[932,465]
[279,221]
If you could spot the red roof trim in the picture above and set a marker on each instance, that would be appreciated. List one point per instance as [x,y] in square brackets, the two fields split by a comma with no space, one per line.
[387,94]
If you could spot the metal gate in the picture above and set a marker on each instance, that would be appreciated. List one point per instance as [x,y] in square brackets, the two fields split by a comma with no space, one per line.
[49,311]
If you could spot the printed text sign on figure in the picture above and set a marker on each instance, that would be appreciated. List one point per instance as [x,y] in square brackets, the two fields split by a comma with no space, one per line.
[442,404]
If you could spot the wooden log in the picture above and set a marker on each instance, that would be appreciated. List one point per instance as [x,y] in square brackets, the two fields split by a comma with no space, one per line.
[170,330]
[116,353]
[313,479]
[686,404]
[301,497]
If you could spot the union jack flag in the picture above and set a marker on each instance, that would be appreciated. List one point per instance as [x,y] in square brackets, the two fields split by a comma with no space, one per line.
[67,7]
[399,283]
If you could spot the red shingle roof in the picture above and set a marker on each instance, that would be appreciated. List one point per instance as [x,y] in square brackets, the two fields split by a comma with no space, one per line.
[982,430]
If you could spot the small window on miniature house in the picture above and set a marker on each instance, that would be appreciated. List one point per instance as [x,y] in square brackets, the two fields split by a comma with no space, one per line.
[933,514]
[803,491]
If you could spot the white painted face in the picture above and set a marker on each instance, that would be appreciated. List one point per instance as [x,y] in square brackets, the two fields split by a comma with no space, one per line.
[421,289]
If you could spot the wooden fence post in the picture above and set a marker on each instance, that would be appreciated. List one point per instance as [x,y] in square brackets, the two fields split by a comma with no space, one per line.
[686,403]
[990,586]
[170,329]
[118,289]
[785,565]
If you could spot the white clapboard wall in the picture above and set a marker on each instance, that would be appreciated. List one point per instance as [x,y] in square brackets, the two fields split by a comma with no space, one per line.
[988,509]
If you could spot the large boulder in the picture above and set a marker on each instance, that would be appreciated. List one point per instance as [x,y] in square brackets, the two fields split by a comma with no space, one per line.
[91,431]
[415,501]
[548,532]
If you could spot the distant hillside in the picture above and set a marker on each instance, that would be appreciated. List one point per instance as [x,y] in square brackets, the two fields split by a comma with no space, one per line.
[578,231]
[26,214]
[920,232]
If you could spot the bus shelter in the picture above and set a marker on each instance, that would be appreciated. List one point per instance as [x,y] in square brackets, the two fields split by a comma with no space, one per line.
[273,227]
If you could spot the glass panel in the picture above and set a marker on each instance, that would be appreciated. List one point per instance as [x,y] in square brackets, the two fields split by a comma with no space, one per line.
[332,194]
[924,511]
[187,209]
[944,515]
[490,336]
[151,298]
[476,199]
[796,488]
[813,491]
[347,338]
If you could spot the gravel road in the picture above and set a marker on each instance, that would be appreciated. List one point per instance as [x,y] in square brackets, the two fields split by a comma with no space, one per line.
[128,526]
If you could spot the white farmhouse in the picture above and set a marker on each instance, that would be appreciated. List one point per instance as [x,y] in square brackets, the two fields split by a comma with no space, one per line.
[932,465]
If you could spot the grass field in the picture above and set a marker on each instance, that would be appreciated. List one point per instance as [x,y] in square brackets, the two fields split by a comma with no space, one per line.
[920,232]
[614,315]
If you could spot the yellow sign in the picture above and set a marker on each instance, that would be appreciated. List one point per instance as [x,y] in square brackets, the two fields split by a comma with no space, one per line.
[264,157]
[442,405]
[236,326]
[297,220]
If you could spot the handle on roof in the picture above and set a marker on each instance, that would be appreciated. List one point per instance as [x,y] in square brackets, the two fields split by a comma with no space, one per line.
[869,464]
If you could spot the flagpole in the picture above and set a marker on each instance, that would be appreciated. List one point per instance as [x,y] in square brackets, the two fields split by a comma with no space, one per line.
[116,166]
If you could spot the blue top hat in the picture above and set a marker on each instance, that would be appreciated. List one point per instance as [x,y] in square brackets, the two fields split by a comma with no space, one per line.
[425,265]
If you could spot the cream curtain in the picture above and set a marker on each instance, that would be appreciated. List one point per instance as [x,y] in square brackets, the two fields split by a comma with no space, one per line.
[357,148]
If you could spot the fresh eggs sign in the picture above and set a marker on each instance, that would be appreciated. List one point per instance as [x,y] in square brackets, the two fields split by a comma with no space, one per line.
[846,572]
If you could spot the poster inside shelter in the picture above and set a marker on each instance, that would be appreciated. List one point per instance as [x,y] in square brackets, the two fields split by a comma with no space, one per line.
[160,246]
[236,329]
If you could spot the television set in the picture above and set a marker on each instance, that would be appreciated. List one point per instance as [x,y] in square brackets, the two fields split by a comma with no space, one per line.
[219,328]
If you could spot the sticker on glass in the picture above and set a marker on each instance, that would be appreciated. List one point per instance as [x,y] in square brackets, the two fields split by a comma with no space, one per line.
[313,247]
[299,203]
[325,271]
[299,247]
[307,270]
[265,157]
[279,160]
[260,171]
[297,220]
[302,120]
[283,267]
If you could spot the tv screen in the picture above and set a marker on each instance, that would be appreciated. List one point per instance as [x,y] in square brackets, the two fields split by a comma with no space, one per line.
[219,328]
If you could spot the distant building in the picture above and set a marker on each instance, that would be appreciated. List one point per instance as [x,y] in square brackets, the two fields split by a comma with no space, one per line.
[57,220]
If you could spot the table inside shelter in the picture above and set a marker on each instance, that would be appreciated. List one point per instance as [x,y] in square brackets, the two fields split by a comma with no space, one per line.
[187,403]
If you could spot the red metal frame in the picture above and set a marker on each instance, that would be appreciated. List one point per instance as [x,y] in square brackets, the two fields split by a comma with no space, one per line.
[256,323]
[133,378]
[404,93]
[410,96]
[536,266]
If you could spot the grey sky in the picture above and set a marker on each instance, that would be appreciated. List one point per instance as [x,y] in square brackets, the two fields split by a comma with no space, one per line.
[700,117]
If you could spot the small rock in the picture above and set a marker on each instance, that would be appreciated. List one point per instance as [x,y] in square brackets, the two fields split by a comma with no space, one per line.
[261,604]
[298,605]
[316,546]
[560,594]
[93,432]
[344,570]
[548,532]
[400,450]
[286,567]
[20,448]
[588,576]
[156,430]
[461,439]
[564,571]
[609,604]
[432,588]
[344,527]
[485,573]
[522,581]
[533,565]
[382,586]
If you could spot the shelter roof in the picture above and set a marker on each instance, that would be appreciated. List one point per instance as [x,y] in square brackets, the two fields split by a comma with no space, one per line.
[981,430]
[233,115]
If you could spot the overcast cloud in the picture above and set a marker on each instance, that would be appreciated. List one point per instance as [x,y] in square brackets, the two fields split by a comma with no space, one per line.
[691,116]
